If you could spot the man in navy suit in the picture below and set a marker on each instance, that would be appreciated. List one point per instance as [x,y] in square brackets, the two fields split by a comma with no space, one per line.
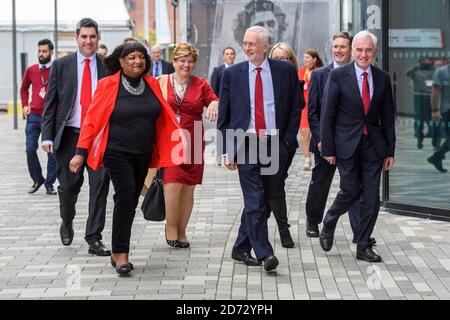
[260,98]
[323,172]
[228,56]
[357,132]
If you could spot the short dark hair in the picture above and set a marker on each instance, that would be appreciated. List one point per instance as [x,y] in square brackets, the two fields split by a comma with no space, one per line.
[46,42]
[228,48]
[112,62]
[343,35]
[86,23]
[102,46]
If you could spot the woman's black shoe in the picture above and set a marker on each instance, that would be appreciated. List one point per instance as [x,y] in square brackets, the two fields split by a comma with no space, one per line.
[124,269]
[183,245]
[173,243]
[113,263]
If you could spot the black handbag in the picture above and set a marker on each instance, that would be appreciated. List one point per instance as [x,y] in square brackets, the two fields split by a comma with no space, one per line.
[154,206]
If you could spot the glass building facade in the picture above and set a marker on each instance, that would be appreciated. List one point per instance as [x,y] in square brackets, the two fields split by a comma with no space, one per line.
[414,47]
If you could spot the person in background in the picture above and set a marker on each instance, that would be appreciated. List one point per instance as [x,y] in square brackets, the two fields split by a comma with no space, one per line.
[135,124]
[228,56]
[312,61]
[158,66]
[284,52]
[421,75]
[188,95]
[440,103]
[102,50]
[37,76]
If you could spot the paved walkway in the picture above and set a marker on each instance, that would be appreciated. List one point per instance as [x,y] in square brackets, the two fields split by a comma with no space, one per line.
[34,264]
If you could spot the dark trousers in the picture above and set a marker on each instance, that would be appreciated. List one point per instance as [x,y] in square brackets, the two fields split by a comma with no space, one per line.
[319,188]
[360,176]
[422,106]
[32,133]
[278,199]
[70,186]
[127,172]
[257,190]
[440,154]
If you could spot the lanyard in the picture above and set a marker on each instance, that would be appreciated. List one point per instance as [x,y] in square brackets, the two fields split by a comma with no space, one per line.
[44,83]
[177,99]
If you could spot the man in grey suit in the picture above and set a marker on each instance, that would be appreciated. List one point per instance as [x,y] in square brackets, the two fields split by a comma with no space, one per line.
[72,83]
[159,66]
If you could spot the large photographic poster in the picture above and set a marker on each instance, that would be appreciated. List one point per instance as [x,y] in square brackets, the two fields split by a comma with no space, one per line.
[214,25]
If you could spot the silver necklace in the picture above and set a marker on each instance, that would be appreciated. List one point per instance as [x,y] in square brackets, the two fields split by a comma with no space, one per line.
[134,91]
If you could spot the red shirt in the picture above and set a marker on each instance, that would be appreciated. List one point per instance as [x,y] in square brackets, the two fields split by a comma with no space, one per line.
[37,79]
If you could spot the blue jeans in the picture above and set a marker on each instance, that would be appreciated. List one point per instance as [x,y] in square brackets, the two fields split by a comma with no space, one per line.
[32,132]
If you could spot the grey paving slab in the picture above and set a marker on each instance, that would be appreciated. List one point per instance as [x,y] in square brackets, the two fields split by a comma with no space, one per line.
[34,265]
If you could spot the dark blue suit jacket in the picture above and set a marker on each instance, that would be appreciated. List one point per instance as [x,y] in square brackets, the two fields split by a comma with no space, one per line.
[342,117]
[317,85]
[234,105]
[216,78]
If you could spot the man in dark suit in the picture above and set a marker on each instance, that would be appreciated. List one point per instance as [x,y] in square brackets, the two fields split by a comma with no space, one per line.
[260,98]
[323,172]
[228,56]
[72,83]
[357,132]
[159,66]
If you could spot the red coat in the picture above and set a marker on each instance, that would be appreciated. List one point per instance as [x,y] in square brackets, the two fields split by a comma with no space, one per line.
[95,131]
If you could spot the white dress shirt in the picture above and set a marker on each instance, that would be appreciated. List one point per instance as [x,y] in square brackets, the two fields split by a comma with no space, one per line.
[268,97]
[360,77]
[75,117]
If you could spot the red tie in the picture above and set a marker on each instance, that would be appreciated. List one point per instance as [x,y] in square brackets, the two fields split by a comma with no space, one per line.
[260,122]
[365,97]
[86,90]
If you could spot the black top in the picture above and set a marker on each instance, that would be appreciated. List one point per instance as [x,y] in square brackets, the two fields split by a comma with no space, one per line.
[132,123]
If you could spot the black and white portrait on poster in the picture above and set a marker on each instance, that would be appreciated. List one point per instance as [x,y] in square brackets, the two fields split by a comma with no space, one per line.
[302,23]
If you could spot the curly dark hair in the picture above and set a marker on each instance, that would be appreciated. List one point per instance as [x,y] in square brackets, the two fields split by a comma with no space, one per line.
[112,62]
[243,20]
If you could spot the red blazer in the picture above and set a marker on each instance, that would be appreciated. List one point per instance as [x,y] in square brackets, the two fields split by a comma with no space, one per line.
[169,147]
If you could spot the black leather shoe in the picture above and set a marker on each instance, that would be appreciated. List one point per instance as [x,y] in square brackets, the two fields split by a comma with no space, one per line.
[51,191]
[326,238]
[99,249]
[368,255]
[312,230]
[372,241]
[286,239]
[437,163]
[66,233]
[35,187]
[270,262]
[245,257]
[124,269]
[113,263]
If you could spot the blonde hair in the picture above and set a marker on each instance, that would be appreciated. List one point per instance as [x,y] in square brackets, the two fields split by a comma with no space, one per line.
[288,50]
[185,50]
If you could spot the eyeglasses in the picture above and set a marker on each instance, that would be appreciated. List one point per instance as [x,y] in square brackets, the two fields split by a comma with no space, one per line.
[343,34]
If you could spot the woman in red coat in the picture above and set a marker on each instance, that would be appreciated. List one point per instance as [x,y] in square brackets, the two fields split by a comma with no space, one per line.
[128,128]
[312,61]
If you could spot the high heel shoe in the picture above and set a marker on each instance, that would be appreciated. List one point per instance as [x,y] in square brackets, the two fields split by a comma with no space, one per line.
[172,243]
[183,245]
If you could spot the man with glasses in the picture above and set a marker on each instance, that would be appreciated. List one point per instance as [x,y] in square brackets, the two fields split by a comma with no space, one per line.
[323,173]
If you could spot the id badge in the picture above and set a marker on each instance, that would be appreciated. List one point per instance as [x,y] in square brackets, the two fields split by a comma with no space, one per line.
[42,93]
[178,118]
